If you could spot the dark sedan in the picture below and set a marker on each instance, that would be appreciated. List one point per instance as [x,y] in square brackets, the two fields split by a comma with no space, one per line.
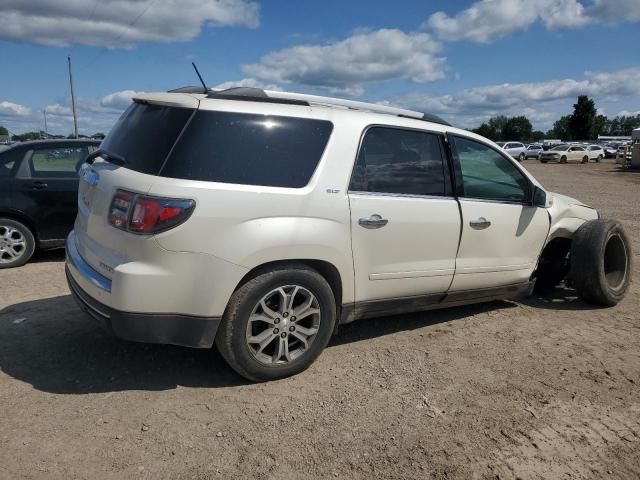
[38,195]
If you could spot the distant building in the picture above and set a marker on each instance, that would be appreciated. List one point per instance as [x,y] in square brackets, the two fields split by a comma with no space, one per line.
[607,138]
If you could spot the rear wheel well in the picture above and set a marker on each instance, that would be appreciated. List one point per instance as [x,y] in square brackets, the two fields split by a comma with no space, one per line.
[328,271]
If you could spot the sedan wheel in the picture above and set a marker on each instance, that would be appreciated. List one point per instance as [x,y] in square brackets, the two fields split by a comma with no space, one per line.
[16,243]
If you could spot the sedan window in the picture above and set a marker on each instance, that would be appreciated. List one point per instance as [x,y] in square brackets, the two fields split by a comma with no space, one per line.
[487,175]
[9,161]
[58,161]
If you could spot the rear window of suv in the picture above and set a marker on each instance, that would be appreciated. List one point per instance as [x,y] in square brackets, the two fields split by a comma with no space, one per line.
[144,135]
[249,149]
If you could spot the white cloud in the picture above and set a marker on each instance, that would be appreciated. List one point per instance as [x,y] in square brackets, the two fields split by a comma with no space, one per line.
[119,23]
[536,100]
[615,11]
[487,20]
[58,110]
[118,100]
[247,82]
[627,113]
[344,66]
[9,109]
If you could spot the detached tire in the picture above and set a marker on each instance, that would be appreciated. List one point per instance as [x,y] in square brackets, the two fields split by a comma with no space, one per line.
[17,243]
[601,262]
[277,323]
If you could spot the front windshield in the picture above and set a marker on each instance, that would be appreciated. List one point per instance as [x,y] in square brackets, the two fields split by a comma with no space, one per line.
[560,148]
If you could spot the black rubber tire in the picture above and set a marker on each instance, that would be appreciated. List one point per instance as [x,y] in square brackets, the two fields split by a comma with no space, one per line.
[585,159]
[601,262]
[599,158]
[30,242]
[543,161]
[231,341]
[521,157]
[563,159]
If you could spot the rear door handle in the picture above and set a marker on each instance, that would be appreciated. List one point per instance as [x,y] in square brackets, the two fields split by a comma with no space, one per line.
[38,186]
[480,223]
[372,222]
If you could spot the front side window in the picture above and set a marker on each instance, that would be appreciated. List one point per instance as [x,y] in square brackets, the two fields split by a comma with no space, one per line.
[393,160]
[249,149]
[487,175]
[58,161]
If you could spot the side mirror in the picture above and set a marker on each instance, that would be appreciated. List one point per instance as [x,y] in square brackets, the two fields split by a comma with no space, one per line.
[539,197]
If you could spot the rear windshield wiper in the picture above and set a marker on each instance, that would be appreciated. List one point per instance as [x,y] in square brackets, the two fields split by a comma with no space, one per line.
[109,157]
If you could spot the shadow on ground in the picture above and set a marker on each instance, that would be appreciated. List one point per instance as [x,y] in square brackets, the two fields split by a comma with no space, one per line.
[58,349]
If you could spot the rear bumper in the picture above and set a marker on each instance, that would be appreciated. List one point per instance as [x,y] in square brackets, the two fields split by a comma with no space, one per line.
[175,329]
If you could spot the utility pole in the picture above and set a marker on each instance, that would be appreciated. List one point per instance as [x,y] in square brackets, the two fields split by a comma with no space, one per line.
[46,132]
[73,100]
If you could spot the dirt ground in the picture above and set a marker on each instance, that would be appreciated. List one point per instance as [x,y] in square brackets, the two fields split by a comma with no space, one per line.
[544,388]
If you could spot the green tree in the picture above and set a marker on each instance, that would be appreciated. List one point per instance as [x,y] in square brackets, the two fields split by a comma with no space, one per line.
[3,130]
[486,131]
[497,124]
[517,128]
[537,136]
[581,122]
[600,125]
[560,129]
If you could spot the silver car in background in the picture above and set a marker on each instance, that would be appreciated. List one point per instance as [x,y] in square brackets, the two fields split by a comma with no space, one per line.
[516,149]
[533,151]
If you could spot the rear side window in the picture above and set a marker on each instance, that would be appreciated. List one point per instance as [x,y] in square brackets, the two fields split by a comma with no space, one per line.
[393,160]
[144,135]
[249,149]
[9,161]
[57,161]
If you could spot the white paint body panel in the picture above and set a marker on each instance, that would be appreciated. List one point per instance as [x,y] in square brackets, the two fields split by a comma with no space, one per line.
[504,253]
[414,254]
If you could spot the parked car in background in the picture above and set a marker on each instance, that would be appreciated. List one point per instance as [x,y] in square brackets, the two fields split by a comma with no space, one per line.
[610,151]
[244,218]
[533,151]
[565,153]
[596,152]
[516,149]
[38,195]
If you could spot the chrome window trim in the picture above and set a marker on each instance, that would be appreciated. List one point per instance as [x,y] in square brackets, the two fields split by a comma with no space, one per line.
[400,195]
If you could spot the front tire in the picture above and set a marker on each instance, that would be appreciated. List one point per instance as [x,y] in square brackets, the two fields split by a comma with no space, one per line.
[585,159]
[17,243]
[598,158]
[521,157]
[277,323]
[601,262]
[563,159]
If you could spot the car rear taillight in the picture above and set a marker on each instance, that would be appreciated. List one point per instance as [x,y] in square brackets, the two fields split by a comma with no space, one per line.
[144,214]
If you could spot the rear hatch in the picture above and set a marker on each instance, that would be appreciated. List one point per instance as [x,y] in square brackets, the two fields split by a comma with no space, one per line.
[129,158]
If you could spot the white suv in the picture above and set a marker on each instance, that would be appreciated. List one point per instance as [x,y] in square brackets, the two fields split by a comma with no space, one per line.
[259,221]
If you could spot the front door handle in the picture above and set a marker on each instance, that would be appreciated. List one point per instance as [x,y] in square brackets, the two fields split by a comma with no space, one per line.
[480,223]
[373,221]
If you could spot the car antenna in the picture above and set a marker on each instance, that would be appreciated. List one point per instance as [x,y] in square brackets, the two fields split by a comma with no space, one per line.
[206,89]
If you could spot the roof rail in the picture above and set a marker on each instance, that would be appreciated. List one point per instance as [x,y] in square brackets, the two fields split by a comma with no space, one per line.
[253,95]
[276,96]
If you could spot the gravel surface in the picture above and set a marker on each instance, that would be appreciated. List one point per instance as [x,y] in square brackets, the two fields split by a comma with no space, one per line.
[544,388]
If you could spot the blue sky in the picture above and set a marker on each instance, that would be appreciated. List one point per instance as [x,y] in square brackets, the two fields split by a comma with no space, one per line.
[463,60]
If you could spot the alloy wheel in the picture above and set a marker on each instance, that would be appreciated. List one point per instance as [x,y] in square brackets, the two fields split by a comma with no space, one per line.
[13,245]
[283,325]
